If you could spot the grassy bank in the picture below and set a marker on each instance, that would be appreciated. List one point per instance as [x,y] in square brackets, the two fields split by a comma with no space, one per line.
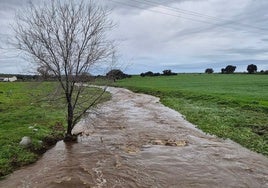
[34,110]
[229,106]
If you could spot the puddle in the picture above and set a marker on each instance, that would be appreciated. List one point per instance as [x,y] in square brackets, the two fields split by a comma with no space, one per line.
[134,141]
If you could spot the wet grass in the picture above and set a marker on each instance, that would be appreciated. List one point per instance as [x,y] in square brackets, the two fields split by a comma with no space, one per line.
[34,110]
[229,106]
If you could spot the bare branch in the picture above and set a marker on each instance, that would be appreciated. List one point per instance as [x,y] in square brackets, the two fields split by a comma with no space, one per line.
[90,105]
[65,38]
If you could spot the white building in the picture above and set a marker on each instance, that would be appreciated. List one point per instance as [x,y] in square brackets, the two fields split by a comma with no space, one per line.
[12,79]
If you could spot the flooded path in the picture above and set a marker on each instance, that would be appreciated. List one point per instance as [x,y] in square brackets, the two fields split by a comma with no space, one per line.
[134,141]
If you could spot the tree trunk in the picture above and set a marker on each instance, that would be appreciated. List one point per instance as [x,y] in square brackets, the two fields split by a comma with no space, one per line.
[70,119]
[68,136]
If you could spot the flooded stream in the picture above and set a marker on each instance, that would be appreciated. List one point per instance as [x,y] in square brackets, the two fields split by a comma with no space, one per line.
[134,141]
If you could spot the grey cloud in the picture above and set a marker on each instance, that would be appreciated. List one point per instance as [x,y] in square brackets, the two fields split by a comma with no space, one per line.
[187,33]
[245,62]
[144,58]
[124,7]
[244,23]
[11,5]
[254,17]
[252,20]
[234,37]
[246,51]
[13,65]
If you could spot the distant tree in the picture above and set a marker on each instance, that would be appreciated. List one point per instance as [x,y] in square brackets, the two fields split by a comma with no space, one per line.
[149,73]
[228,70]
[168,73]
[252,69]
[142,74]
[165,73]
[209,71]
[44,72]
[116,74]
[85,77]
[264,71]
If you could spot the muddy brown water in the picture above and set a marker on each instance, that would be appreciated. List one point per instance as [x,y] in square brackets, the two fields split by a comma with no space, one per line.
[134,141]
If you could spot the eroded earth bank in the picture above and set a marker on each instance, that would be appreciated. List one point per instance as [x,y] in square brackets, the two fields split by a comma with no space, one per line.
[134,141]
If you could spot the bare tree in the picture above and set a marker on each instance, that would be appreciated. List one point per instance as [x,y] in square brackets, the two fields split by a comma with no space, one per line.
[67,38]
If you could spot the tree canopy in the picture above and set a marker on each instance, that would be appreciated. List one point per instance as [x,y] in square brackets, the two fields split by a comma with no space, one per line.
[252,68]
[229,69]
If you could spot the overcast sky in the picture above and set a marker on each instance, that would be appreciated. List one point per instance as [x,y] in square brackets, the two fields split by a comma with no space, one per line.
[181,35]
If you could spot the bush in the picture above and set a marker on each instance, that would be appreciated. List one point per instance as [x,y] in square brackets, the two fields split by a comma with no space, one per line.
[116,74]
[168,73]
[85,77]
[228,70]
[209,71]
[264,72]
[149,73]
[165,73]
[252,69]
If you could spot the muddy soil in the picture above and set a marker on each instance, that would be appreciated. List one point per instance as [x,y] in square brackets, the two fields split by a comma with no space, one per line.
[134,141]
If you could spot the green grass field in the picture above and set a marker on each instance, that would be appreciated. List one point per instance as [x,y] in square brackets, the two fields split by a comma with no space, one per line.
[230,106]
[29,109]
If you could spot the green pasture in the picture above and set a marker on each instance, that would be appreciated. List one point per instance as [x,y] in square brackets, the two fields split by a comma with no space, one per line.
[231,106]
[31,109]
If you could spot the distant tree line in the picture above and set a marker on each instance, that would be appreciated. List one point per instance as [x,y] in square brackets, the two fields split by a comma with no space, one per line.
[114,74]
[230,69]
[165,73]
[117,74]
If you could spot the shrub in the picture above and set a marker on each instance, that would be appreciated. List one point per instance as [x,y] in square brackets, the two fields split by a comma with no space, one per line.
[149,73]
[165,73]
[209,71]
[228,70]
[252,69]
[116,74]
[264,72]
[168,73]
